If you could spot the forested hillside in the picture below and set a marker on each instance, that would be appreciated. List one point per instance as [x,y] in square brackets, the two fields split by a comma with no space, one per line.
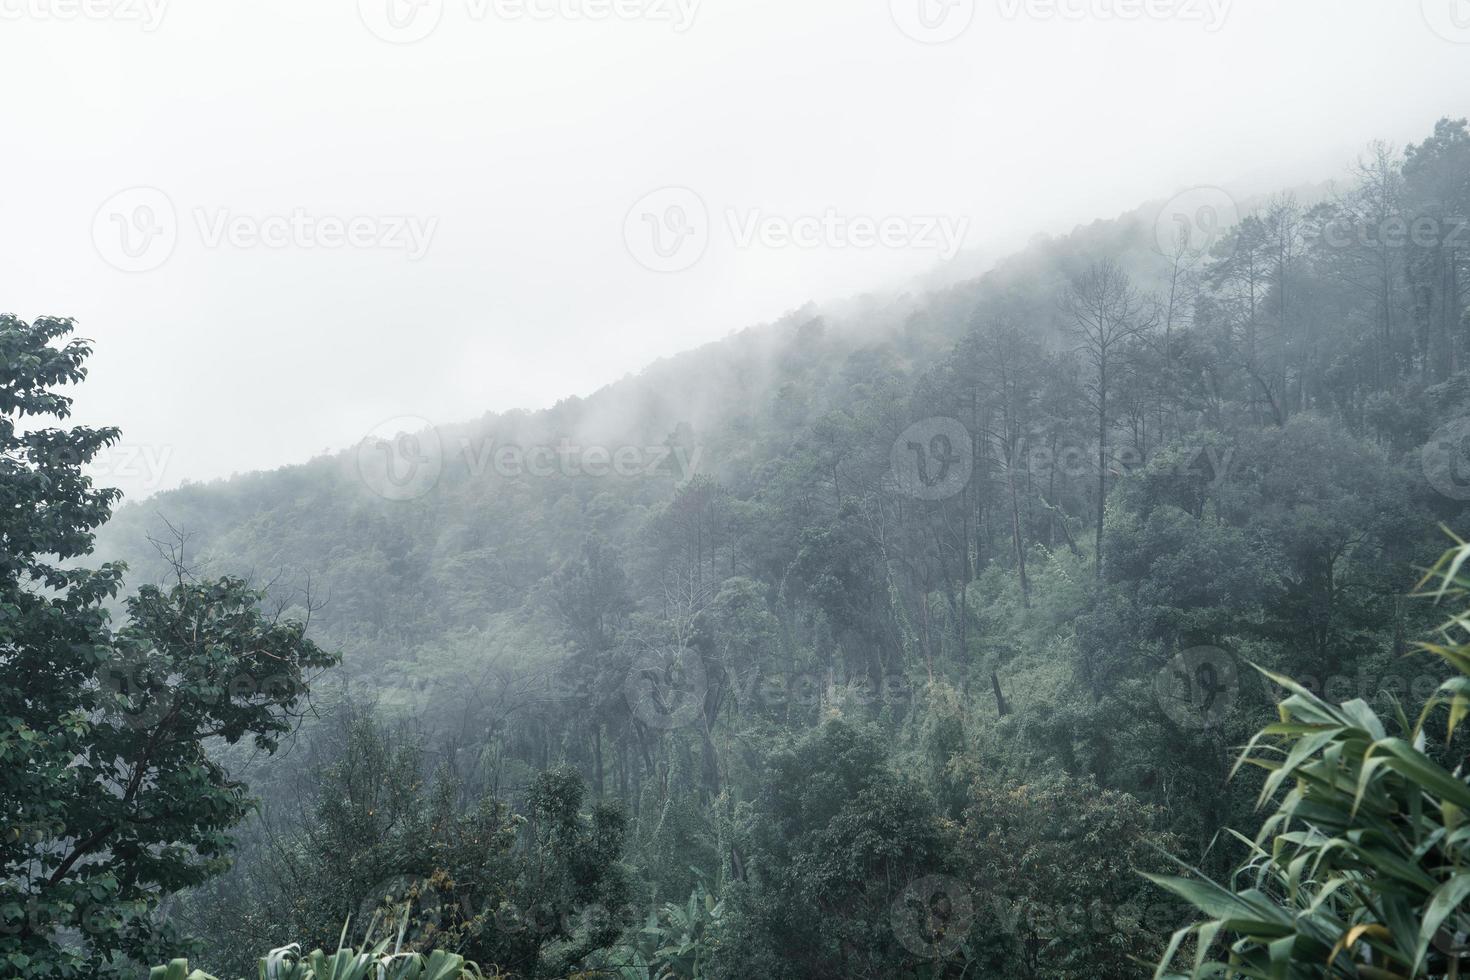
[892,639]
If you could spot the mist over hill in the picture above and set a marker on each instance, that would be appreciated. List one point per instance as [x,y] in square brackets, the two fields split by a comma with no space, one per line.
[475,525]
[913,590]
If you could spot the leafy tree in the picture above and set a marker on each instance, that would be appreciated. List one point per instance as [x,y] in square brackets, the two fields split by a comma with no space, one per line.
[591,595]
[840,574]
[1053,870]
[837,837]
[111,801]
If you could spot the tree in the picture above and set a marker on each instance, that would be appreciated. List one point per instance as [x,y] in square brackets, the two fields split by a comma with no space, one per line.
[591,594]
[1006,367]
[1361,253]
[1053,869]
[1437,180]
[1106,314]
[1239,276]
[111,801]
[838,838]
[842,574]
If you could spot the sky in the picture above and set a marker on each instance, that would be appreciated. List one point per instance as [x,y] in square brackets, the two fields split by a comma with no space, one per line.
[285,223]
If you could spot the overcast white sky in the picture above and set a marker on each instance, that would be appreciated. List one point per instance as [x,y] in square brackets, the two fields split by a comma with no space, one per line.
[496,161]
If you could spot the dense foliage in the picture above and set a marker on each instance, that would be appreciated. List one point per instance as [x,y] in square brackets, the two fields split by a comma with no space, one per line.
[889,640]
[368,963]
[1363,870]
[532,894]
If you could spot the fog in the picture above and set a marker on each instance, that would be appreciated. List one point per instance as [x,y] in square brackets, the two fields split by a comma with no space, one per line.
[285,223]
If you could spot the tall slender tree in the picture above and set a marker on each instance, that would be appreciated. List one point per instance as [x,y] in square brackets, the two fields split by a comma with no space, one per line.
[1106,313]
